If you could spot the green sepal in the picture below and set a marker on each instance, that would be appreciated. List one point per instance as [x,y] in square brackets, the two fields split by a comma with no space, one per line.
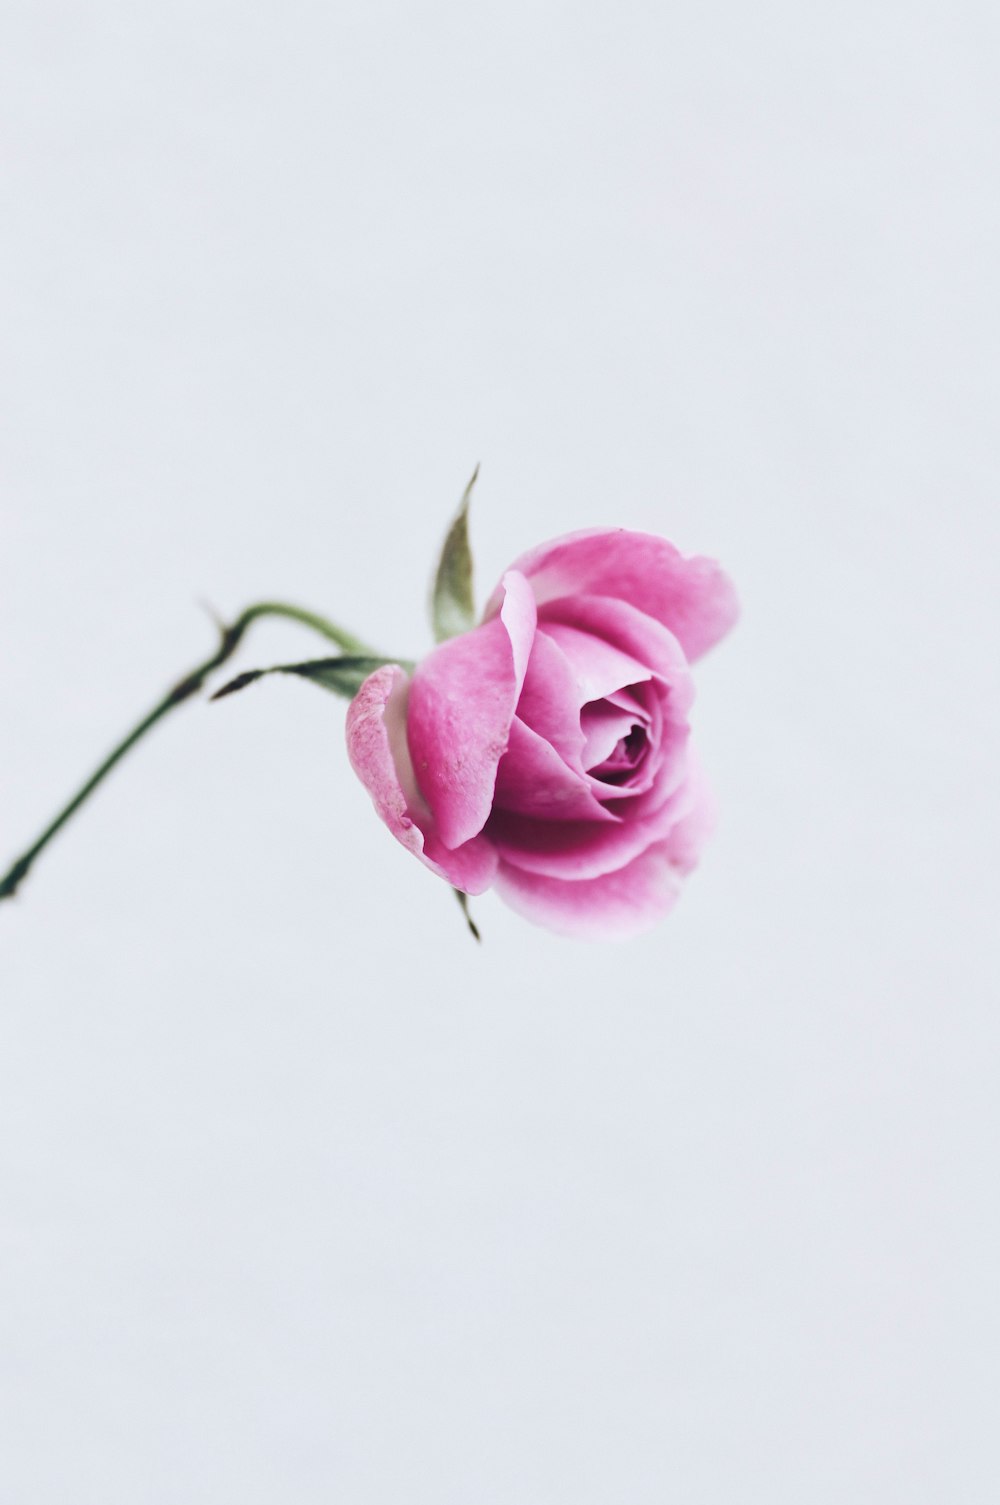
[453,609]
[343,675]
[463,903]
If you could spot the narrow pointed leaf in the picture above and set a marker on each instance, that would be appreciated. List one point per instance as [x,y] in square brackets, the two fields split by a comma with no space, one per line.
[453,609]
[239,683]
[343,675]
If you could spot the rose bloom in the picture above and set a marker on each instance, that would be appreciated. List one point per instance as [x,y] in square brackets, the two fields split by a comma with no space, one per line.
[545,753]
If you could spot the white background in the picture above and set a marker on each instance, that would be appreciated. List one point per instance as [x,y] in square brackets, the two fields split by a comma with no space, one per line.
[303,1197]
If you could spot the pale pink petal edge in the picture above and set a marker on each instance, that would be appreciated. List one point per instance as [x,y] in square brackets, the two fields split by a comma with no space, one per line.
[621,904]
[691,595]
[462,703]
[377,748]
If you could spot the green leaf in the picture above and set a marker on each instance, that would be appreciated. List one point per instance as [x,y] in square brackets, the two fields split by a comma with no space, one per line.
[343,675]
[463,902]
[453,609]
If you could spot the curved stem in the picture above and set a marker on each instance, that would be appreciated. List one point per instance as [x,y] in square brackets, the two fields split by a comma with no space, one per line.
[322,625]
[230,638]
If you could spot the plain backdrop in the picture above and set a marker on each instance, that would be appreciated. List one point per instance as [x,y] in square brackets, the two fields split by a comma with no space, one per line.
[303,1196]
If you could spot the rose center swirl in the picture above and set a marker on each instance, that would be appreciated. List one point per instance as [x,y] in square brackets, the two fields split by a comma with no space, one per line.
[616,741]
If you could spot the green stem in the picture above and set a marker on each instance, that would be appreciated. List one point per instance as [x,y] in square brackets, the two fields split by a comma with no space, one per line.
[183,690]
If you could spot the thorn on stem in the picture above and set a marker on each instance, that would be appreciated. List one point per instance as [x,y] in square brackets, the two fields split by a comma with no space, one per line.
[213,616]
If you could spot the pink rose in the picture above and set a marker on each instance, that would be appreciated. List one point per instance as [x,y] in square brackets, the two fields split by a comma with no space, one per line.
[546,751]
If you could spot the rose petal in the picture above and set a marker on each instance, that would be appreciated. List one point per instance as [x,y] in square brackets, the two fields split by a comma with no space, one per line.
[622,903]
[612,907]
[632,632]
[688,836]
[599,667]
[604,726]
[377,748]
[692,597]
[549,703]
[462,702]
[663,765]
[583,849]
[533,780]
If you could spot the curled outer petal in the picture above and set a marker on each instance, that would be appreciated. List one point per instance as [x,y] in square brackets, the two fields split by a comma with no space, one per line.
[377,748]
[462,703]
[693,597]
